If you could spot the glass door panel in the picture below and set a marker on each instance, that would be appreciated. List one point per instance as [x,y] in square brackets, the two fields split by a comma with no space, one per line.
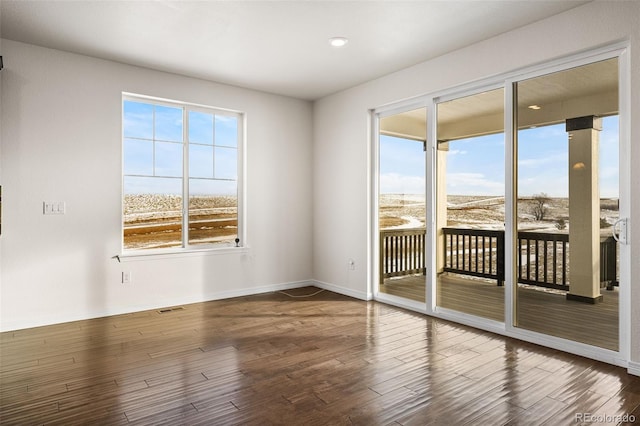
[402,208]
[470,205]
[567,201]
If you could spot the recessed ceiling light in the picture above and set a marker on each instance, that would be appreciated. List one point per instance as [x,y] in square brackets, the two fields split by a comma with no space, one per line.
[534,107]
[338,41]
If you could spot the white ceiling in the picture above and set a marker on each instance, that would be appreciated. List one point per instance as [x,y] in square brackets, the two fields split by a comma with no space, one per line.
[274,46]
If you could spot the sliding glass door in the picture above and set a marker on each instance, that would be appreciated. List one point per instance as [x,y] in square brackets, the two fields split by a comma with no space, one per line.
[469,210]
[402,204]
[505,212]
[568,200]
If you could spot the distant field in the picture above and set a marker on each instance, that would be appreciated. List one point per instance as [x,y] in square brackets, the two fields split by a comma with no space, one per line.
[154,221]
[487,212]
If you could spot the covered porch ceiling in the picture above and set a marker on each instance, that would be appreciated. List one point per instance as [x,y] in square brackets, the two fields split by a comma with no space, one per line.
[587,90]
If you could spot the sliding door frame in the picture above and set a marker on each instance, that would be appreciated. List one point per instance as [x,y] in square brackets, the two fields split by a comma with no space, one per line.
[432,142]
[374,167]
[619,51]
[508,81]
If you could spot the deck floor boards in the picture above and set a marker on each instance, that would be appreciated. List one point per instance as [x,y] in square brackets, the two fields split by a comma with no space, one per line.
[542,311]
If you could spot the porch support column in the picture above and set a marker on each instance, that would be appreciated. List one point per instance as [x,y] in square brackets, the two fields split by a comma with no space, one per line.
[584,209]
[441,202]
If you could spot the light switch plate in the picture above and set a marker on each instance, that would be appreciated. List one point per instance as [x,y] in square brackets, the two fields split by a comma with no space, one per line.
[53,207]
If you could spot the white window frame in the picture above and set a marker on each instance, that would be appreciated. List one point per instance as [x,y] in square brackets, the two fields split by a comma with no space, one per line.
[186,248]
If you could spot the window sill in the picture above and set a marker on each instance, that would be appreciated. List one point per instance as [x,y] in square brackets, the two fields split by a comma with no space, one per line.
[131,256]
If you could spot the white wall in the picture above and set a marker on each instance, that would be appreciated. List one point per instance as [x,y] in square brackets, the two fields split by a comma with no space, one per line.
[342,140]
[1,214]
[61,116]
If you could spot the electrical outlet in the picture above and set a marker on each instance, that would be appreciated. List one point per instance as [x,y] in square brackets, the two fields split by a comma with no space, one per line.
[352,264]
[126,277]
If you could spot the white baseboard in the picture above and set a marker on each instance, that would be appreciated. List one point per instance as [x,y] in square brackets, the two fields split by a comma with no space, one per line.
[258,290]
[158,304]
[341,290]
[634,368]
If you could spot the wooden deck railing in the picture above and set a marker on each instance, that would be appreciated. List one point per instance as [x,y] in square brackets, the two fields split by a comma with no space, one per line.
[542,260]
[474,252]
[609,262]
[402,252]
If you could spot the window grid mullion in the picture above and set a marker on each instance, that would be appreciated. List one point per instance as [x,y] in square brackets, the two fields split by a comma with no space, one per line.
[153,141]
[185,178]
[213,149]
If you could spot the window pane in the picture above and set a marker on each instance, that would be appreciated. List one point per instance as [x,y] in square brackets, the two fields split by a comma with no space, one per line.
[213,211]
[402,204]
[155,143]
[226,131]
[543,155]
[152,210]
[138,120]
[470,205]
[200,161]
[567,146]
[200,128]
[226,163]
[138,157]
[168,159]
[609,160]
[168,123]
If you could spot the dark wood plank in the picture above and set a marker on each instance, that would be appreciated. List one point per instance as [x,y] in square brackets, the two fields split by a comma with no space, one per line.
[273,359]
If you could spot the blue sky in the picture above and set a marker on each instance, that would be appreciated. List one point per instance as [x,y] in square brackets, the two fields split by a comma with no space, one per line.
[153,151]
[476,166]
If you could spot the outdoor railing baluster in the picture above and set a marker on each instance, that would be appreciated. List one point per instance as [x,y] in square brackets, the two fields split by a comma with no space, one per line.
[402,252]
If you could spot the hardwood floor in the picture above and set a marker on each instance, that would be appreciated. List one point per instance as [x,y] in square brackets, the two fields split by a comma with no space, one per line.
[273,359]
[544,312]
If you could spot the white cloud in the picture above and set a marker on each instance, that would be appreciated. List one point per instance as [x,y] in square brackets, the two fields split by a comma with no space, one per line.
[457,183]
[473,184]
[553,185]
[561,157]
[393,183]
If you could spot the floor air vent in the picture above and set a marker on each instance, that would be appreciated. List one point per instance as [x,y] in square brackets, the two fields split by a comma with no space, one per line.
[165,310]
